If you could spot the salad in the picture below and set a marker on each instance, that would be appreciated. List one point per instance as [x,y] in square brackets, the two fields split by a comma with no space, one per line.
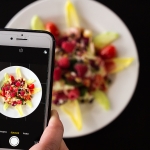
[84,64]
[17,91]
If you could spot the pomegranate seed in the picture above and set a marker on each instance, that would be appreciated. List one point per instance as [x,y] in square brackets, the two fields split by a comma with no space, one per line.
[14,103]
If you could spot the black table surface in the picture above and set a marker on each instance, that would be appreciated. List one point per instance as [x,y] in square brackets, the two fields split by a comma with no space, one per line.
[130,130]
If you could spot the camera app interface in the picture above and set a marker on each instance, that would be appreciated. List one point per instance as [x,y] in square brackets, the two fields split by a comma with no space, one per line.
[23,80]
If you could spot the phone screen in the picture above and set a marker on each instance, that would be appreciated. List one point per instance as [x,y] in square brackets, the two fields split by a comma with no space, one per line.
[22,123]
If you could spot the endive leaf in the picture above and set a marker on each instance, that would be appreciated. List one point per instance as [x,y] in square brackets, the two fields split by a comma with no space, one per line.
[18,72]
[19,109]
[6,76]
[72,109]
[120,64]
[30,81]
[36,90]
[6,105]
[72,19]
[102,99]
[29,103]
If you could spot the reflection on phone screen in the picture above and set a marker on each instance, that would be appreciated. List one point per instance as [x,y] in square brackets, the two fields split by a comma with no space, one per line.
[21,131]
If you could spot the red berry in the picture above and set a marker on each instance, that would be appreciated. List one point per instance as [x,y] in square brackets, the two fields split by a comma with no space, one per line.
[18,84]
[68,46]
[74,94]
[57,74]
[81,69]
[64,62]
[19,102]
[22,93]
[13,94]
[108,52]
[3,93]
[11,88]
[51,27]
[12,78]
[31,86]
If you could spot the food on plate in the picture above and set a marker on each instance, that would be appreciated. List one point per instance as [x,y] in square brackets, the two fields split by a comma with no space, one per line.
[17,91]
[84,64]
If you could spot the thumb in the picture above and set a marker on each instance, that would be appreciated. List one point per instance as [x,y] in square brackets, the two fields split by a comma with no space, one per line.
[52,136]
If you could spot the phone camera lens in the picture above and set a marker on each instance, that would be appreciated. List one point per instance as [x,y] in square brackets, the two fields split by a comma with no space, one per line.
[11,38]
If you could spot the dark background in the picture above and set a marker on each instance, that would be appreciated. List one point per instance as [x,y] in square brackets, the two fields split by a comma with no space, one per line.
[130,131]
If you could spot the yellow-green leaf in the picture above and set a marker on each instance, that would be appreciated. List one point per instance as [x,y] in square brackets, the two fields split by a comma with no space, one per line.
[29,103]
[6,76]
[72,18]
[36,90]
[19,109]
[6,105]
[72,109]
[120,64]
[102,99]
[30,81]
[18,72]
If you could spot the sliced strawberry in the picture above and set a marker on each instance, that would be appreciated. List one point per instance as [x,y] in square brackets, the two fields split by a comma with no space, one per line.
[81,69]
[57,74]
[64,62]
[73,94]
[68,46]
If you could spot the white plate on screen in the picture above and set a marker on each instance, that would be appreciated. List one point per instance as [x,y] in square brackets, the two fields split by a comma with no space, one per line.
[97,17]
[27,74]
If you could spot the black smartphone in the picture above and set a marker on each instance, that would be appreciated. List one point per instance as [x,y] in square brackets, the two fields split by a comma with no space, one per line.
[26,72]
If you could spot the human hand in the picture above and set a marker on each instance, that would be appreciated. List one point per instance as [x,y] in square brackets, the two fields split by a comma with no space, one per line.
[52,136]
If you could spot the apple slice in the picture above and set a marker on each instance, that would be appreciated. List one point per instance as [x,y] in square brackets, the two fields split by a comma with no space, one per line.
[71,16]
[119,64]
[104,39]
[102,99]
[72,109]
[36,23]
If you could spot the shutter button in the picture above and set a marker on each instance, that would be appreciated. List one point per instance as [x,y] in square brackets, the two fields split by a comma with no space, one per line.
[14,141]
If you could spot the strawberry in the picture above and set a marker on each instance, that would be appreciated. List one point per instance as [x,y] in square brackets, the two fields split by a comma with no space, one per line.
[81,69]
[64,62]
[73,94]
[57,74]
[68,47]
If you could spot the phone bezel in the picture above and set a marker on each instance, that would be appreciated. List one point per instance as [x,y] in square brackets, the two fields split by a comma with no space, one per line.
[42,39]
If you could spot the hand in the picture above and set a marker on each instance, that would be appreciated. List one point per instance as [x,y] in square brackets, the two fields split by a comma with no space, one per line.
[52,136]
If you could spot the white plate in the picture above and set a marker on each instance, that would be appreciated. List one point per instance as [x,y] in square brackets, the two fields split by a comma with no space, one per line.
[96,17]
[27,74]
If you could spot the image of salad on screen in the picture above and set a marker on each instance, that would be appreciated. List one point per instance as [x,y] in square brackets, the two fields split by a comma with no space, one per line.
[16,91]
[84,64]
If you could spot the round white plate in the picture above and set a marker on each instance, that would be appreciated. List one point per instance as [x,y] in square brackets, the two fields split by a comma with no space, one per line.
[96,17]
[27,74]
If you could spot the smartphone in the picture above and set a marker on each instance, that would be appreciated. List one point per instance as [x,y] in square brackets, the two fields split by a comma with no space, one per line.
[26,72]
